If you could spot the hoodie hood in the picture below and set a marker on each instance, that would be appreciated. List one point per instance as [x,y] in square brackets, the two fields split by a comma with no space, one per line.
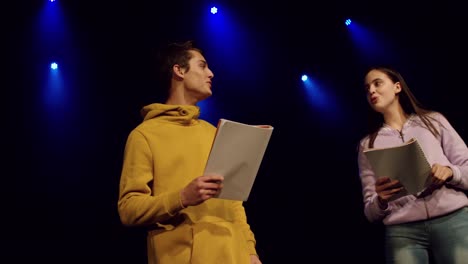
[183,114]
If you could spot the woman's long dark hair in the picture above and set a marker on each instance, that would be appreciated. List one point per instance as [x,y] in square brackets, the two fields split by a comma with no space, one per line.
[408,102]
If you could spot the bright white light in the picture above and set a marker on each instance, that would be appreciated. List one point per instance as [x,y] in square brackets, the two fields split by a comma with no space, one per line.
[51,0]
[53,66]
[348,22]
[214,10]
[304,78]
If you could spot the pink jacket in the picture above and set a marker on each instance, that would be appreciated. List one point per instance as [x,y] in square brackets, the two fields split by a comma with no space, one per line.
[449,149]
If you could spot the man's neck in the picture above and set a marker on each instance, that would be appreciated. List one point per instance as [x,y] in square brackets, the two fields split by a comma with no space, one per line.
[179,98]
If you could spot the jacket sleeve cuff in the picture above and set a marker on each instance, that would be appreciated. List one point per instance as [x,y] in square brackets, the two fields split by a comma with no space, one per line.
[173,203]
[380,213]
[456,179]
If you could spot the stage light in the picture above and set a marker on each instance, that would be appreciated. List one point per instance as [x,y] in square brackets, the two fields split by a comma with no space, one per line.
[214,10]
[348,22]
[304,78]
[53,65]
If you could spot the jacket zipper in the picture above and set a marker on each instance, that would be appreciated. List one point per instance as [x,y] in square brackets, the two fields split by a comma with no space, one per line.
[401,135]
[400,132]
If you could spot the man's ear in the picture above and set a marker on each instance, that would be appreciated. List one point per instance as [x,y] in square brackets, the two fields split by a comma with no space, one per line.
[178,71]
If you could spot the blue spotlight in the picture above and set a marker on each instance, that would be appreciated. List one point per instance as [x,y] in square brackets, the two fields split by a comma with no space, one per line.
[214,10]
[348,22]
[304,78]
[51,1]
[53,65]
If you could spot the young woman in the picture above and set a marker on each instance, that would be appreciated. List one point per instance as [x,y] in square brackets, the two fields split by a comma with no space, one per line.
[433,225]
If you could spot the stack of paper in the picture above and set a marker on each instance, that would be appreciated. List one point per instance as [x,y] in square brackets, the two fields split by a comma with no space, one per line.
[406,163]
[237,153]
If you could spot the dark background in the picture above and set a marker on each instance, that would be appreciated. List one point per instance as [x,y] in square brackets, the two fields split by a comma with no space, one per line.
[62,150]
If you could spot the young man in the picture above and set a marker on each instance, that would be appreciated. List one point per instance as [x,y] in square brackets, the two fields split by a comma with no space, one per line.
[162,186]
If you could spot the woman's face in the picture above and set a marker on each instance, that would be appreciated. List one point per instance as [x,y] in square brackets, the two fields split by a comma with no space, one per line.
[381,91]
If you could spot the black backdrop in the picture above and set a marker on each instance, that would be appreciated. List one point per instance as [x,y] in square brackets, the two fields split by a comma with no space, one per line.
[62,159]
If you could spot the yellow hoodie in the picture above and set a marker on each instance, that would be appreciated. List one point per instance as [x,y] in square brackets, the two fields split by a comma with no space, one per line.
[162,155]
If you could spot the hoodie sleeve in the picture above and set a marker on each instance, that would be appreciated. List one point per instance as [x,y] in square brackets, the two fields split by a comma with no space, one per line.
[456,151]
[241,221]
[371,207]
[136,205]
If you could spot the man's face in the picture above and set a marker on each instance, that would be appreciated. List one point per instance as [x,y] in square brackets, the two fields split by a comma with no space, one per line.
[197,80]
